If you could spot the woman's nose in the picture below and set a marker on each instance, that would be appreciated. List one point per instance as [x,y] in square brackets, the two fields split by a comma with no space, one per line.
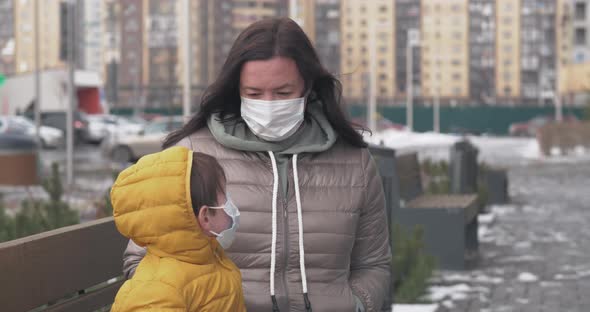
[268,96]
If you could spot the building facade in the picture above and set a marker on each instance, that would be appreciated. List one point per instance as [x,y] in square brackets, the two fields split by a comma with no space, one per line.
[445,49]
[7,41]
[407,16]
[538,51]
[573,17]
[508,46]
[49,35]
[367,25]
[482,45]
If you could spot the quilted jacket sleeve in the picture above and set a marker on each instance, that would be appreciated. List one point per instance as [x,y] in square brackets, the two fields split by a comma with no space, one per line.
[371,254]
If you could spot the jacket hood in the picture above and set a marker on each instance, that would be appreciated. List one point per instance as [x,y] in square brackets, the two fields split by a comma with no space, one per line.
[152,206]
[315,135]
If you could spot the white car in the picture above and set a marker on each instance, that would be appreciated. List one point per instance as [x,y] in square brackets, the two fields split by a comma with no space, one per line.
[50,137]
[104,126]
[124,148]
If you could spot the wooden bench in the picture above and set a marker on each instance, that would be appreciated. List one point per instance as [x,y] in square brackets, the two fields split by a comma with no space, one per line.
[75,268]
[449,221]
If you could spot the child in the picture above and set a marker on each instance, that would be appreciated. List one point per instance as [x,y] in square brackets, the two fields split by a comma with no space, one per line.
[174,203]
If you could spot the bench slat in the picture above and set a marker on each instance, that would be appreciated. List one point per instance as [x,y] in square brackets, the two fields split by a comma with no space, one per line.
[467,203]
[42,268]
[89,302]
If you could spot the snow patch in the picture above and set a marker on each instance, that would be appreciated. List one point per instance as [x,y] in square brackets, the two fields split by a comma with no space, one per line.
[415,307]
[486,219]
[438,293]
[526,258]
[527,277]
[523,245]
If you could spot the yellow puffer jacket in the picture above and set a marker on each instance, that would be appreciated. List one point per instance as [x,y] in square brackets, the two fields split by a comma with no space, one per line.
[184,270]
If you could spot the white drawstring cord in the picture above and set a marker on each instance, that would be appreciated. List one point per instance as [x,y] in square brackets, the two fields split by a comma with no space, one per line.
[301,244]
[274,233]
[273,249]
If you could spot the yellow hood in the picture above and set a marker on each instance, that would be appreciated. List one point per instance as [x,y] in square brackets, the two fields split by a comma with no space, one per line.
[152,206]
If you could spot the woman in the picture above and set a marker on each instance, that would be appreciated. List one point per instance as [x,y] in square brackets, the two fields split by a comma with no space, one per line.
[313,231]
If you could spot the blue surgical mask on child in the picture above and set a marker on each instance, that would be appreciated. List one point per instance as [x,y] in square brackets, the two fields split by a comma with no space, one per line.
[226,237]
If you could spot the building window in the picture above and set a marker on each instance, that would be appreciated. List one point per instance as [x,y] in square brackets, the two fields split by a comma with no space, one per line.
[507,20]
[383,91]
[456,8]
[382,63]
[507,35]
[383,9]
[457,91]
[457,35]
[507,90]
[456,62]
[507,76]
[363,9]
[507,48]
[580,37]
[364,22]
[580,11]
[456,76]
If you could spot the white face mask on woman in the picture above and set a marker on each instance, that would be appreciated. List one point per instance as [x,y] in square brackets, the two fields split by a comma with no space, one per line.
[273,120]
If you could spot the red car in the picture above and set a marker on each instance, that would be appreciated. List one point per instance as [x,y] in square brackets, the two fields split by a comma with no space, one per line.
[530,128]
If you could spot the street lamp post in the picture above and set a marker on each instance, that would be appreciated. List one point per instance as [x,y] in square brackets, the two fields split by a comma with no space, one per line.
[37,107]
[436,102]
[186,106]
[413,39]
[372,109]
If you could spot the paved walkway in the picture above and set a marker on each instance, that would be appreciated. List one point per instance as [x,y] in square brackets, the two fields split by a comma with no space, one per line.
[536,253]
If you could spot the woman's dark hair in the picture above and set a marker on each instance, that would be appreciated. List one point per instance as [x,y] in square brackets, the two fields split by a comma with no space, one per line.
[207,180]
[264,40]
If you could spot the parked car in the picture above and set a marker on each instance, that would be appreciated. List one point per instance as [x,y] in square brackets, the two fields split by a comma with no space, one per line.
[8,126]
[58,120]
[531,127]
[49,137]
[130,147]
[102,126]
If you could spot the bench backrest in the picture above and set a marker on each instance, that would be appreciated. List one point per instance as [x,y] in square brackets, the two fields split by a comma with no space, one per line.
[66,262]
[409,173]
[385,161]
